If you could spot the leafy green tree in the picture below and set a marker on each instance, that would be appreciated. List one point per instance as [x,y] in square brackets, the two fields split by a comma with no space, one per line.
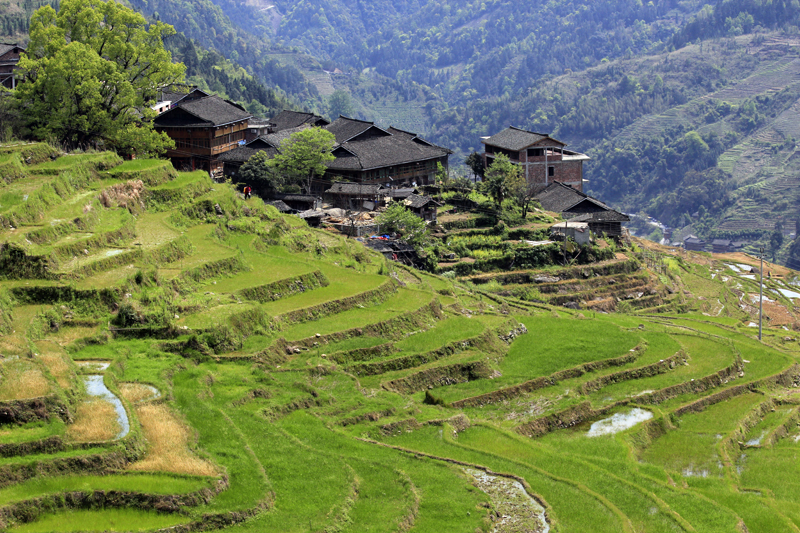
[475,163]
[339,103]
[500,177]
[303,155]
[257,173]
[91,72]
[398,219]
[442,176]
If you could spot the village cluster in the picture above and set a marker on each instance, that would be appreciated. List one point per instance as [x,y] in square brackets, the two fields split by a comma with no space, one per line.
[372,166]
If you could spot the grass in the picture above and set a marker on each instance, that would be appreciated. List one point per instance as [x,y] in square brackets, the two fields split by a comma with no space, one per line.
[168,444]
[95,421]
[138,392]
[22,379]
[552,344]
[101,520]
[144,483]
[288,432]
[691,451]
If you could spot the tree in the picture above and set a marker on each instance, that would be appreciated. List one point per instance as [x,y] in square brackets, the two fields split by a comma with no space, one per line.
[500,175]
[520,190]
[398,219]
[91,73]
[303,155]
[257,173]
[339,103]
[475,162]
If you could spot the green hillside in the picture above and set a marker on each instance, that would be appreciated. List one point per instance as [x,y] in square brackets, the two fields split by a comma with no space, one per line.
[172,355]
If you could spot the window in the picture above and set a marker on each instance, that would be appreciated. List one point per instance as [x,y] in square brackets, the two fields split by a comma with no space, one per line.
[535,152]
[551,171]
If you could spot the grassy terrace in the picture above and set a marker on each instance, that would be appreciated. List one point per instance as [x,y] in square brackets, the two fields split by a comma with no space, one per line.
[331,407]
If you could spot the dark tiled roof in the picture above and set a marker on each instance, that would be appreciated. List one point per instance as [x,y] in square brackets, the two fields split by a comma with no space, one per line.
[355,189]
[379,152]
[587,205]
[417,201]
[558,197]
[601,216]
[400,193]
[7,47]
[287,119]
[345,129]
[275,138]
[294,197]
[516,139]
[240,154]
[209,111]
[280,205]
[694,240]
[720,242]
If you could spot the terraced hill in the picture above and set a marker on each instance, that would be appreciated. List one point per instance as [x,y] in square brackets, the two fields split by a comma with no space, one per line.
[174,358]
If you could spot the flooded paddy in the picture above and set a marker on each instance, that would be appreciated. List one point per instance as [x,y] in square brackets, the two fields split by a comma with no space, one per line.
[619,422]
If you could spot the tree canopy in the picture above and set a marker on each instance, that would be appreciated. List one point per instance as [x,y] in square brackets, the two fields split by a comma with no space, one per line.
[302,156]
[398,219]
[91,72]
[501,178]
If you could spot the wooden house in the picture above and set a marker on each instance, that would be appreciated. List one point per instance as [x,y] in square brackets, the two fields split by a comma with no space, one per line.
[9,57]
[203,129]
[576,206]
[366,153]
[543,160]
[422,206]
[355,196]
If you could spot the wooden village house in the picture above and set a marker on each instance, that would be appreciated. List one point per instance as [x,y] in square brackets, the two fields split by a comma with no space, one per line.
[576,206]
[9,57]
[203,129]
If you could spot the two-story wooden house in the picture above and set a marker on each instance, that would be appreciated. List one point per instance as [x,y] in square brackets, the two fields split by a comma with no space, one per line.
[544,160]
[9,57]
[203,129]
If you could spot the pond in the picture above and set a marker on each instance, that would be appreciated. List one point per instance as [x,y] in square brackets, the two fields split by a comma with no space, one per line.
[619,422]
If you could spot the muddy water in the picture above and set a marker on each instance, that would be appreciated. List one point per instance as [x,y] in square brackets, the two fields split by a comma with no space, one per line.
[619,422]
[517,509]
[96,387]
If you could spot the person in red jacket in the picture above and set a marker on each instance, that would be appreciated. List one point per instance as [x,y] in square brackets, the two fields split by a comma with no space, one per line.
[247,192]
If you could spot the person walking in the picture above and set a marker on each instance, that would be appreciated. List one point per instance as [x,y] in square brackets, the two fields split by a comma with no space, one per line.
[247,192]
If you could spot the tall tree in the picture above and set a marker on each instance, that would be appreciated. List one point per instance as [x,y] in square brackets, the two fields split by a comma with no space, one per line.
[499,177]
[339,103]
[91,72]
[303,156]
[475,162]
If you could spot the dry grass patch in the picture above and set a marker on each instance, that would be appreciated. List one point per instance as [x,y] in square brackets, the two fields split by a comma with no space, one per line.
[137,392]
[168,440]
[66,336]
[95,421]
[19,381]
[58,367]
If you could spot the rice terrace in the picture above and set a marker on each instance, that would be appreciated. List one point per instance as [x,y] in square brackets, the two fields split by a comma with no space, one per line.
[176,358]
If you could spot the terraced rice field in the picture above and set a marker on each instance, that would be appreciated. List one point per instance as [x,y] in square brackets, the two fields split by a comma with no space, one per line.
[258,375]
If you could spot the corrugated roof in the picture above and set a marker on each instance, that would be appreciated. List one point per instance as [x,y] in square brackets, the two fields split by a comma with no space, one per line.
[516,139]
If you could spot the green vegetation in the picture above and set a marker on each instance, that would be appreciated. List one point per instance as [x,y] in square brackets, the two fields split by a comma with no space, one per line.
[282,378]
